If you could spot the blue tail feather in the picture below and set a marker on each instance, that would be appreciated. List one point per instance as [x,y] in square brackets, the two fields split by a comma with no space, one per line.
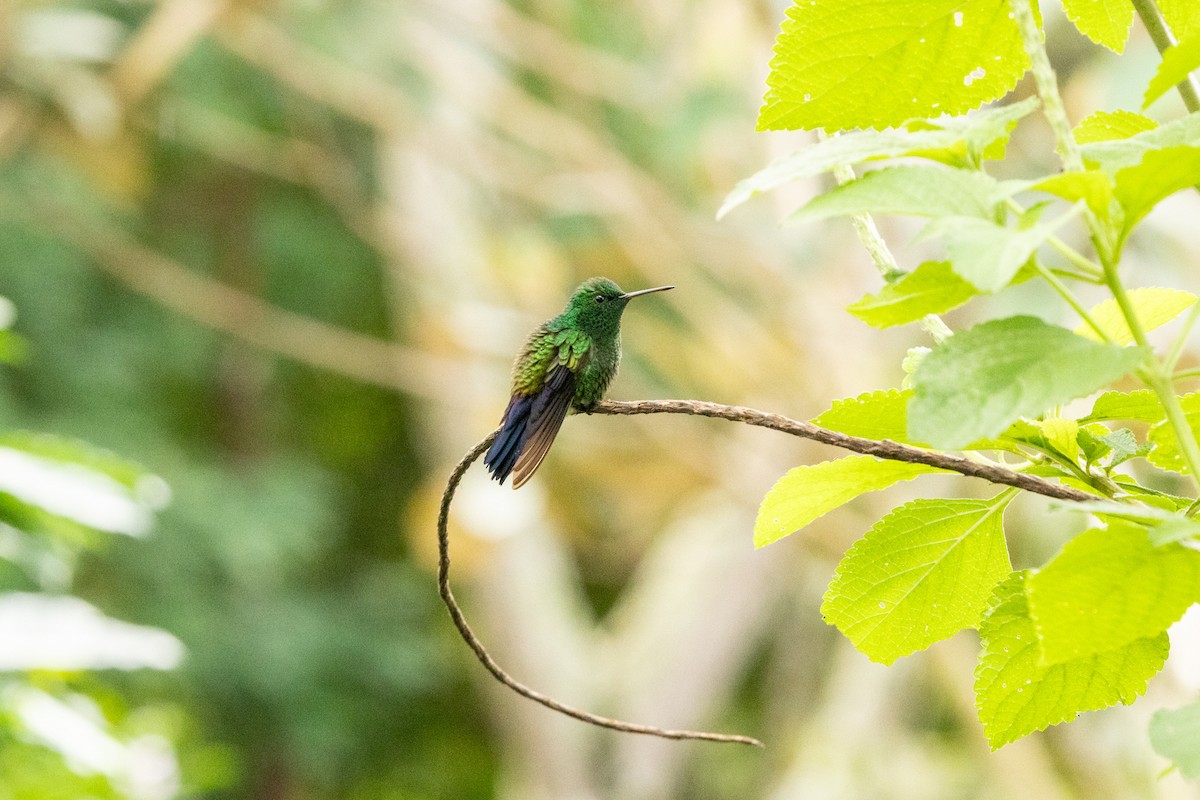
[510,441]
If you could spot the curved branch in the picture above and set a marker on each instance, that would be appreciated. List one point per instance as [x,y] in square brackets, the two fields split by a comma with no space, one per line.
[871,447]
[750,416]
[486,659]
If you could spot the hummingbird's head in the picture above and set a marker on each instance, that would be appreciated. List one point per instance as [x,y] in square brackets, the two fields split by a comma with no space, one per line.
[597,305]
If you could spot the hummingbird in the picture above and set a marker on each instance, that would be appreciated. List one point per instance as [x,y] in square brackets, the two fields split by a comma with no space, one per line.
[566,363]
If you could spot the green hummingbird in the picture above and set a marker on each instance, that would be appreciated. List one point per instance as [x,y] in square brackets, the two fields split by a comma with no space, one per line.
[566,363]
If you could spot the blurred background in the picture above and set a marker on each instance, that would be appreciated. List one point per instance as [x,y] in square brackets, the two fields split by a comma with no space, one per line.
[266,266]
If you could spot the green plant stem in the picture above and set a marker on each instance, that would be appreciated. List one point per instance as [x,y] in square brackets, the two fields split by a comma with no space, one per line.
[1163,40]
[1069,297]
[1158,378]
[1091,268]
[1047,85]
[1181,339]
[1154,375]
[1184,374]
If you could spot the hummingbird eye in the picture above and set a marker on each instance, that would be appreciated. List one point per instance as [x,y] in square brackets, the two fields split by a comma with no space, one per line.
[600,298]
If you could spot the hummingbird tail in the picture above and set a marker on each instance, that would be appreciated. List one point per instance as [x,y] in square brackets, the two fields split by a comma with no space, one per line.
[510,441]
[529,426]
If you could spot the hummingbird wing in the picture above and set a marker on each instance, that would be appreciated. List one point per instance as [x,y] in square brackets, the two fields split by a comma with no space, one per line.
[546,414]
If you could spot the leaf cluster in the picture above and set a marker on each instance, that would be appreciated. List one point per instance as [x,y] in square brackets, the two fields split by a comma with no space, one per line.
[899,85]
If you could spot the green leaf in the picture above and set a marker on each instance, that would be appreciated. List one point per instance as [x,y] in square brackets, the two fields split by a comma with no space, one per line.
[986,254]
[977,382]
[921,574]
[1092,187]
[1105,22]
[1105,126]
[1124,446]
[1177,63]
[1166,454]
[956,139]
[1182,15]
[1175,734]
[1063,435]
[922,191]
[932,288]
[1160,174]
[872,415]
[1016,694]
[1155,306]
[1108,587]
[1120,153]
[1140,405]
[808,492]
[843,64]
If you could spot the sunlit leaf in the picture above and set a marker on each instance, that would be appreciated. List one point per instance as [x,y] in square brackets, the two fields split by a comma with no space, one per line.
[921,574]
[871,415]
[1155,306]
[1116,154]
[1182,15]
[977,382]
[808,492]
[1016,694]
[971,137]
[1166,453]
[1140,405]
[1105,22]
[932,288]
[1108,587]
[843,64]
[1105,126]
[1177,63]
[1160,174]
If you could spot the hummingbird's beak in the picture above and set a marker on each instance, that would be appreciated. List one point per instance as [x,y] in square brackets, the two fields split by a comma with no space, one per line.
[628,295]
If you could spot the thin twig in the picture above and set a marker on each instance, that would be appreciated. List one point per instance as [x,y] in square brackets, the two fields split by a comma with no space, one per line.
[486,659]
[750,416]
[880,449]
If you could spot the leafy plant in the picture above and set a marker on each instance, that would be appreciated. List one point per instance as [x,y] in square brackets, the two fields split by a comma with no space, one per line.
[1087,629]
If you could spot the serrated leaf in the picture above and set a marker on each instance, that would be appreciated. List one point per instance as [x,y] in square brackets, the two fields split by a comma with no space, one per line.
[872,415]
[1108,587]
[1091,442]
[1160,174]
[1105,126]
[921,191]
[974,384]
[972,136]
[1016,694]
[808,492]
[1166,454]
[1120,153]
[1062,434]
[1140,405]
[843,64]
[1105,22]
[1182,15]
[1175,734]
[932,288]
[988,255]
[1155,306]
[921,574]
[1177,63]
[1124,446]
